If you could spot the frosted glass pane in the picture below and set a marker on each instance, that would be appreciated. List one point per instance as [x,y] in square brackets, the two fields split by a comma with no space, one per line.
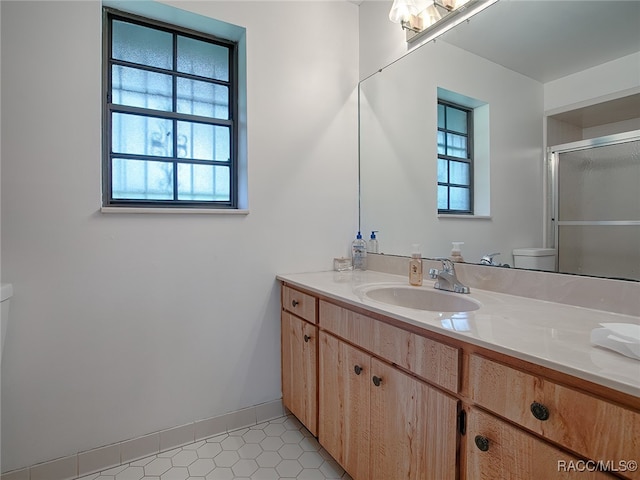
[443,171]
[141,180]
[203,59]
[443,198]
[456,120]
[140,135]
[459,173]
[456,145]
[203,183]
[441,144]
[203,98]
[600,250]
[441,123]
[204,142]
[459,198]
[143,45]
[600,183]
[141,88]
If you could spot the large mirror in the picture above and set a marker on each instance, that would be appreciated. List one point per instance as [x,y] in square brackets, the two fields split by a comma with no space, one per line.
[534,74]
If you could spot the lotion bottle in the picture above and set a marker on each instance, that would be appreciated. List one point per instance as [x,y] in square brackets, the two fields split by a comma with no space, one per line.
[415,267]
[359,253]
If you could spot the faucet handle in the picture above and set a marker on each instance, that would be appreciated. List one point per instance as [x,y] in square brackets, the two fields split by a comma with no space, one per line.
[447,265]
[433,272]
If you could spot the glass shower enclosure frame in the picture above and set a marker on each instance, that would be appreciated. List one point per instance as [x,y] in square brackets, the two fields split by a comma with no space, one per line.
[595,205]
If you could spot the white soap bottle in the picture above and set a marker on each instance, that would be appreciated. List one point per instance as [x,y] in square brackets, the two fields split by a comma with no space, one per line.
[359,253]
[415,267]
[372,246]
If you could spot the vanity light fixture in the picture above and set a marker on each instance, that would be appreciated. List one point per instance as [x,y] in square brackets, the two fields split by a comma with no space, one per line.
[427,20]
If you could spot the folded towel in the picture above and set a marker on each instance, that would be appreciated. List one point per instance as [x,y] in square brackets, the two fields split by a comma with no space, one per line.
[623,338]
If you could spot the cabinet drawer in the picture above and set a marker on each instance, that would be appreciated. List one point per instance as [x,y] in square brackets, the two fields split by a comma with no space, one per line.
[587,425]
[496,450]
[300,304]
[429,359]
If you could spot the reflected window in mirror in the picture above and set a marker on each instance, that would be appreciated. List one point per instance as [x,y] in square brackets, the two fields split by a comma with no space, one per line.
[455,158]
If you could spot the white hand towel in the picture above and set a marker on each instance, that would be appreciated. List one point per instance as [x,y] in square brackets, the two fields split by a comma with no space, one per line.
[623,338]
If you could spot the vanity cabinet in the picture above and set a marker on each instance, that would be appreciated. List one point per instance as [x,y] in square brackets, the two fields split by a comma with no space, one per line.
[390,400]
[299,340]
[378,421]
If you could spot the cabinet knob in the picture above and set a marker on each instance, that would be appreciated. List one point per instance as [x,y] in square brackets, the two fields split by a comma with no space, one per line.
[357,369]
[482,443]
[307,338]
[295,303]
[540,411]
[376,381]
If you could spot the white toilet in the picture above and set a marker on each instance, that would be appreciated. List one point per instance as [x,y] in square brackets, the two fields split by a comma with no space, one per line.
[6,292]
[535,259]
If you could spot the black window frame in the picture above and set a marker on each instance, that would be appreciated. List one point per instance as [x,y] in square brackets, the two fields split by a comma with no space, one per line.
[109,15]
[469,159]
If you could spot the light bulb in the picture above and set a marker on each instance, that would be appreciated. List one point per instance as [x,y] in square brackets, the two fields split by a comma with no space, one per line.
[402,10]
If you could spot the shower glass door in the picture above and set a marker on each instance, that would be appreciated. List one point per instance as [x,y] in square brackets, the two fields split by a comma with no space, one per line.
[597,206]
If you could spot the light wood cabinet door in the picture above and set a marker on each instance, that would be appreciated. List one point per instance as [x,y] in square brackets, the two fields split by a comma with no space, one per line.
[343,430]
[413,428]
[299,369]
[497,450]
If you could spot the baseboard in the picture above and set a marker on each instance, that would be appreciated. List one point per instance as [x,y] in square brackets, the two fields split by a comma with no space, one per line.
[126,451]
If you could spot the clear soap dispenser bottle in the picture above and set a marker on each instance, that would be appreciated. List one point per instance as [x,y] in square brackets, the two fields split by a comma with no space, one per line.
[359,253]
[415,267]
[372,246]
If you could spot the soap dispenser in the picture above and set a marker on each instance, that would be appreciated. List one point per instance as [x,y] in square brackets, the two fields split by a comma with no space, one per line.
[415,266]
[372,246]
[456,253]
[359,253]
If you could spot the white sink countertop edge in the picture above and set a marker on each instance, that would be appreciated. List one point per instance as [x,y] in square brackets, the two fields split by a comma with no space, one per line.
[550,334]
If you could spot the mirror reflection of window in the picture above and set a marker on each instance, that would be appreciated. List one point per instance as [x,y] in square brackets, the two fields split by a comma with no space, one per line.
[455,158]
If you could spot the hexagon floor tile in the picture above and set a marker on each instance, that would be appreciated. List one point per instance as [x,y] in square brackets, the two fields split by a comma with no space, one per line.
[279,449]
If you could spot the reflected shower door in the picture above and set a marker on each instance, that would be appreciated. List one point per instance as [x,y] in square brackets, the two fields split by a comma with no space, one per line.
[598,207]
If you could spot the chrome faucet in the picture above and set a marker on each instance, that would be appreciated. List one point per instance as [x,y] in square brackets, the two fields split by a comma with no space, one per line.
[446,278]
[488,259]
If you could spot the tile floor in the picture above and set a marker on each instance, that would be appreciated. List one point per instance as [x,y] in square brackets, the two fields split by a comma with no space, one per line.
[278,449]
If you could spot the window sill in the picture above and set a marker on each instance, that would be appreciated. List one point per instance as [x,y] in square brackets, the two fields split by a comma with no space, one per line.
[465,217]
[199,211]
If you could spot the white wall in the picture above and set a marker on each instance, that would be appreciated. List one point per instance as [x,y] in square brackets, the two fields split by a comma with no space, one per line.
[381,41]
[127,324]
[614,79]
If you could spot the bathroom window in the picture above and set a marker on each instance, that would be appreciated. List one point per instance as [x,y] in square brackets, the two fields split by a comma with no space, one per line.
[170,103]
[455,158]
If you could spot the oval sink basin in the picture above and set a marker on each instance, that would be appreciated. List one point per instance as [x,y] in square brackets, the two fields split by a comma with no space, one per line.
[420,298]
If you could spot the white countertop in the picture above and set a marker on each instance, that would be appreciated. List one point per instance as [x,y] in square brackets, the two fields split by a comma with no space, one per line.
[550,334]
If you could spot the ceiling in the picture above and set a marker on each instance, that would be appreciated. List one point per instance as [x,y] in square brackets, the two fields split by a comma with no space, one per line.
[549,39]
